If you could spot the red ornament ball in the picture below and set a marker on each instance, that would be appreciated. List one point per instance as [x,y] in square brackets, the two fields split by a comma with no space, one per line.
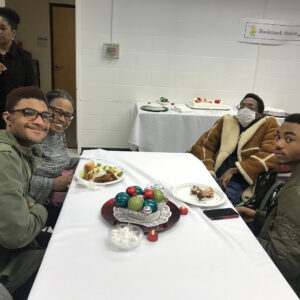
[148,194]
[131,191]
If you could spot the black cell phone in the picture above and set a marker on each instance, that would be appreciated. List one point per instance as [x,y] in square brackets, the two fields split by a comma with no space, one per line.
[220,213]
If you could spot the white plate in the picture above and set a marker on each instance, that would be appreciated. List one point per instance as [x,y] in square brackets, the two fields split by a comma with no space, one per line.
[183,193]
[92,184]
[154,109]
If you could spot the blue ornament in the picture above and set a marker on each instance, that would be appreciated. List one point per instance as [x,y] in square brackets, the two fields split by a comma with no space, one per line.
[139,190]
[121,199]
[151,203]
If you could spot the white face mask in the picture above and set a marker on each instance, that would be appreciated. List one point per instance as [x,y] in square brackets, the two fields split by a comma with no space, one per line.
[246,116]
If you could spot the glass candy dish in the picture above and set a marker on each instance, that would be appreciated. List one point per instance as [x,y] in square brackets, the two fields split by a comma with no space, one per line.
[126,236]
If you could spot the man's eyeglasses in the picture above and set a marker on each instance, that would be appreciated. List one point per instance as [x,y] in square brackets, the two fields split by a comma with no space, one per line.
[250,106]
[58,113]
[32,114]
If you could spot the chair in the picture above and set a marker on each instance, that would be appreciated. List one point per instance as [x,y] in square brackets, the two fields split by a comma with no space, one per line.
[270,198]
[267,187]
[263,183]
[268,202]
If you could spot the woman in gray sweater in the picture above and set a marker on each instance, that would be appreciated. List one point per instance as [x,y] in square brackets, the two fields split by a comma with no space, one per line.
[49,181]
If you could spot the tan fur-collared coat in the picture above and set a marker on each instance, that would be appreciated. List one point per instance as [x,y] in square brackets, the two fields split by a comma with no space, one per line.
[255,146]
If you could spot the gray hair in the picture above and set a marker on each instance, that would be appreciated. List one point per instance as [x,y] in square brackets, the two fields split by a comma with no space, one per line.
[53,94]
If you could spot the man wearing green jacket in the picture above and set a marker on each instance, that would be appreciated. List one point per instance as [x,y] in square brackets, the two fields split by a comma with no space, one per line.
[21,220]
[280,235]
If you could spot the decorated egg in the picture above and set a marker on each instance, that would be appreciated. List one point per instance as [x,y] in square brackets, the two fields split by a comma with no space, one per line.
[151,203]
[135,203]
[148,194]
[121,199]
[158,196]
[147,210]
[139,190]
[131,191]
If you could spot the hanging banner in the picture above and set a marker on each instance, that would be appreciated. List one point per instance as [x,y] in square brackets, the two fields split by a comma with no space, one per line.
[269,32]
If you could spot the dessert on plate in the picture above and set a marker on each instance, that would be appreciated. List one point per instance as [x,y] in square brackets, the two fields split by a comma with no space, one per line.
[153,106]
[163,100]
[198,103]
[202,193]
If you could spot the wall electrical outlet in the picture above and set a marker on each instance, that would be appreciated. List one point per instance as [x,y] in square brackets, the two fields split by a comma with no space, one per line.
[112,50]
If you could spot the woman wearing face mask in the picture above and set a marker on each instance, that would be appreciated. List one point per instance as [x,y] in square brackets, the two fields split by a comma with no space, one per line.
[52,177]
[238,148]
[15,64]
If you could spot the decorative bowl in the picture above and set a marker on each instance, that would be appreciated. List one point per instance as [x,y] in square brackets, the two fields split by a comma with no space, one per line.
[126,236]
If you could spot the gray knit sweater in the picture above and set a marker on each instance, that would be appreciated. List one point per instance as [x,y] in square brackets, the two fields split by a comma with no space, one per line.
[4,294]
[55,158]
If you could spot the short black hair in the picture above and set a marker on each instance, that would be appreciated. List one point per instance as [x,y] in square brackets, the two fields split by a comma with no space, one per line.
[261,105]
[53,94]
[293,118]
[11,16]
[24,92]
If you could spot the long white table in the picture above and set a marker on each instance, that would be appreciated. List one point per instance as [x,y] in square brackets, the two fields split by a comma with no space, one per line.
[170,131]
[195,259]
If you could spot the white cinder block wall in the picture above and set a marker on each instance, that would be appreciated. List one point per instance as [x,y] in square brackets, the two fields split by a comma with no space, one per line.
[178,49]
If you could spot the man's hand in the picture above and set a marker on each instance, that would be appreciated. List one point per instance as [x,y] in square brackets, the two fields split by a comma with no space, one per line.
[225,178]
[246,213]
[2,68]
[62,183]
[30,204]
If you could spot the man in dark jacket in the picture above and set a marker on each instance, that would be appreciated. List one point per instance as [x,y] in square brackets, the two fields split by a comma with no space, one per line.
[21,220]
[280,235]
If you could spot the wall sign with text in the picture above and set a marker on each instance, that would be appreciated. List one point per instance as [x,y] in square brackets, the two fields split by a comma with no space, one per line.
[260,31]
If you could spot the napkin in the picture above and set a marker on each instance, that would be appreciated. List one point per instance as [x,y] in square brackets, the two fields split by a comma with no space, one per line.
[94,154]
[88,184]
[181,108]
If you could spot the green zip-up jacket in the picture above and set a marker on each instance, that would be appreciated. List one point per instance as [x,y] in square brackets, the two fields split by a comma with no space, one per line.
[20,255]
[280,235]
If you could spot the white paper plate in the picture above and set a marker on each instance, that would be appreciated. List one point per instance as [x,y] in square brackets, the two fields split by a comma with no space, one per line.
[183,193]
[92,184]
[154,109]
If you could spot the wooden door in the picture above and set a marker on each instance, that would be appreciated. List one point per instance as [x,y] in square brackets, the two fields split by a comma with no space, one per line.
[63,56]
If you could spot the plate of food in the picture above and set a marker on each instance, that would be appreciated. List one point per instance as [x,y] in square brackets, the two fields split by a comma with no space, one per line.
[99,174]
[199,195]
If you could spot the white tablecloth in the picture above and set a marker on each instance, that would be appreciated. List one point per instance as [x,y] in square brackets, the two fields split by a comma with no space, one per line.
[170,131]
[195,259]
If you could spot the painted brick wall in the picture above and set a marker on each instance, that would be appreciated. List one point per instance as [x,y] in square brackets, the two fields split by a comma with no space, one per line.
[178,49]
